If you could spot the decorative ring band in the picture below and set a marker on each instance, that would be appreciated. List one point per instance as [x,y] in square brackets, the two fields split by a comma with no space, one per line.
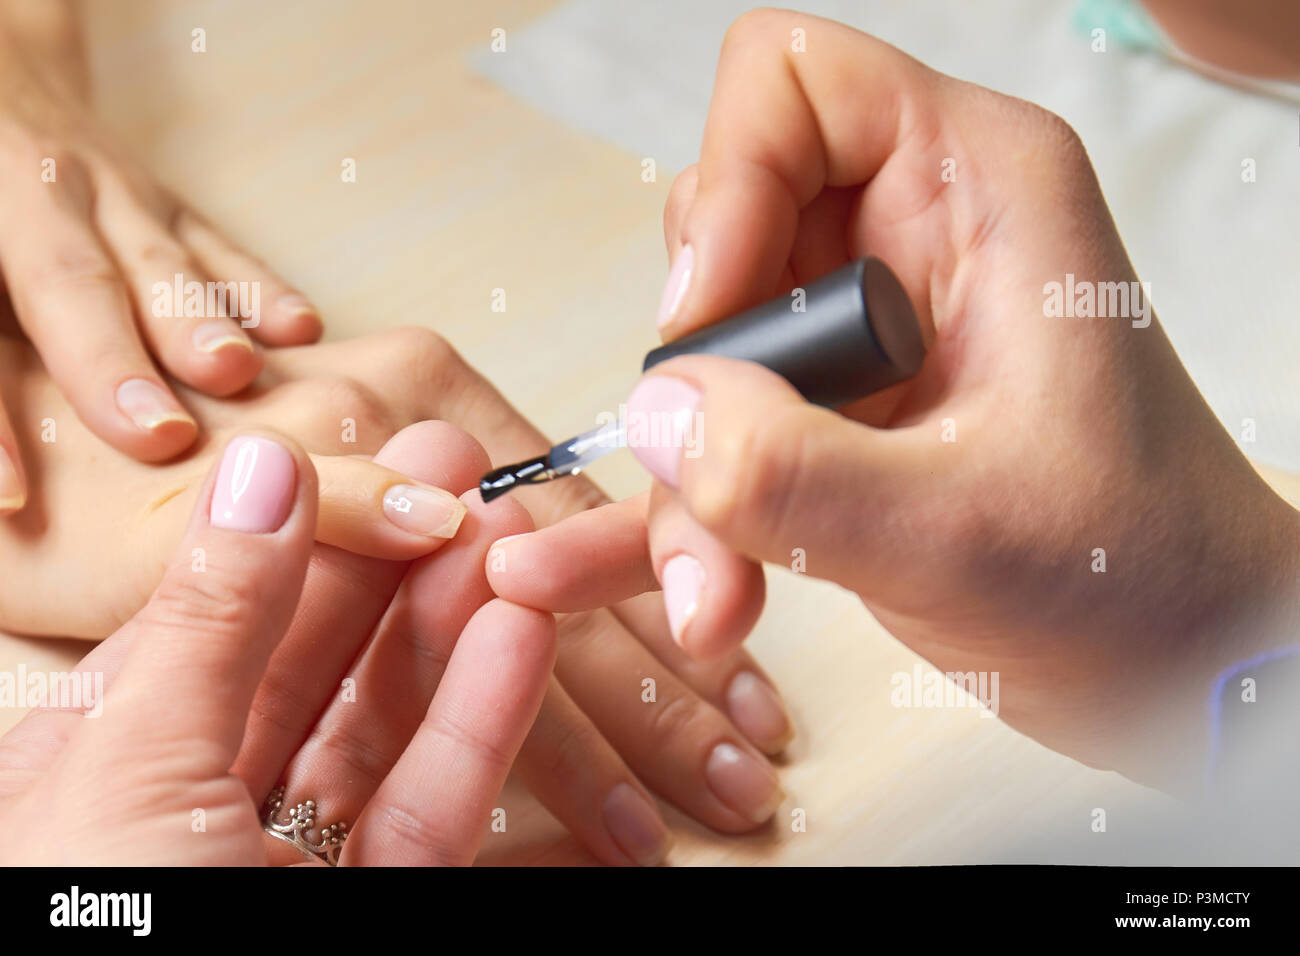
[302,818]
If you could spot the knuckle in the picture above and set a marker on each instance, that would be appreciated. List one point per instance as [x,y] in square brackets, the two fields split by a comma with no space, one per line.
[165,252]
[576,630]
[282,706]
[72,268]
[212,602]
[675,717]
[747,476]
[421,362]
[466,741]
[573,751]
[420,350]
[1055,132]
[425,650]
[343,397]
[411,827]
[356,751]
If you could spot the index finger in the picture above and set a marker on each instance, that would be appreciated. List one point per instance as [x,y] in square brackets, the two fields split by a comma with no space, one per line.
[761,164]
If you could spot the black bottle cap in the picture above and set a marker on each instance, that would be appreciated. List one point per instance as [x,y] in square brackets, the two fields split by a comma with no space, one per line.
[858,334]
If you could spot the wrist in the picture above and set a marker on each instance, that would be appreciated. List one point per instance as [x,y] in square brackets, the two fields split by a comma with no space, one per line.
[1237,603]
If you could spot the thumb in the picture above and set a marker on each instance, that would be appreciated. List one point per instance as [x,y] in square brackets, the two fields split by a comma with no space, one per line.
[199,648]
[768,474]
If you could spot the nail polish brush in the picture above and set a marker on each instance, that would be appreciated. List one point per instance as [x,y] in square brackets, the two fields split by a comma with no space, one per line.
[856,334]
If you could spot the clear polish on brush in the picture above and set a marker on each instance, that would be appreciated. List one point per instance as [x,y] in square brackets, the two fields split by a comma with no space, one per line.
[856,335]
[566,458]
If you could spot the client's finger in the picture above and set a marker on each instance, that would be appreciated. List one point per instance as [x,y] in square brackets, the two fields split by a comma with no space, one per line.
[371,510]
[284,317]
[565,761]
[592,559]
[201,644]
[603,557]
[69,297]
[434,805]
[344,597]
[606,555]
[363,732]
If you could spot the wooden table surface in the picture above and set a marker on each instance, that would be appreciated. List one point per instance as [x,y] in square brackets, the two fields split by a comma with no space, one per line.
[461,190]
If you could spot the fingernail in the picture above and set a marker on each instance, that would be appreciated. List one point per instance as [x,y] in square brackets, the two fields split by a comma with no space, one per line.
[745,783]
[635,825]
[756,708]
[295,303]
[214,336]
[12,494]
[255,486]
[661,423]
[148,404]
[682,580]
[679,280]
[425,511]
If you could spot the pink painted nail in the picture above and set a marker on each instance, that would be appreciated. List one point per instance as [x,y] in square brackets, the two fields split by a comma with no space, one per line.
[679,280]
[683,580]
[662,425]
[255,486]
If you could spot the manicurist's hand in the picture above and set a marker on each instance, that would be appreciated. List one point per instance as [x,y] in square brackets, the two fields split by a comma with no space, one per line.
[185,677]
[1050,499]
[90,248]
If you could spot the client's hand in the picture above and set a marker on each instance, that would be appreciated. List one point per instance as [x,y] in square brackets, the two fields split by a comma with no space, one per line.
[157,751]
[89,549]
[91,246]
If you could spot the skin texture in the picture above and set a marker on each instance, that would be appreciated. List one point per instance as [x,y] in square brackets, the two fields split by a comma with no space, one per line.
[965,507]
[215,640]
[85,233]
[594,731]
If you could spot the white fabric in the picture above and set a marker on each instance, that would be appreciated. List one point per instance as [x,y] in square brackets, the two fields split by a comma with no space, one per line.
[1222,256]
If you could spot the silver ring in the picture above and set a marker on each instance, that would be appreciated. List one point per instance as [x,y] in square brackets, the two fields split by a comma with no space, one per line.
[294,831]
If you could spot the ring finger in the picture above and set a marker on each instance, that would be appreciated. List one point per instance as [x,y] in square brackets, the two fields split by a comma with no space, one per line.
[188,322]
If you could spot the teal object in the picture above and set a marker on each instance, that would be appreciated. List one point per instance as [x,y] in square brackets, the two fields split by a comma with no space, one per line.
[1126,23]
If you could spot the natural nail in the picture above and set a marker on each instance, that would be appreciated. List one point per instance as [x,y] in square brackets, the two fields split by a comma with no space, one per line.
[148,404]
[215,336]
[682,580]
[295,303]
[756,708]
[679,280]
[431,512]
[635,825]
[255,486]
[744,782]
[661,423]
